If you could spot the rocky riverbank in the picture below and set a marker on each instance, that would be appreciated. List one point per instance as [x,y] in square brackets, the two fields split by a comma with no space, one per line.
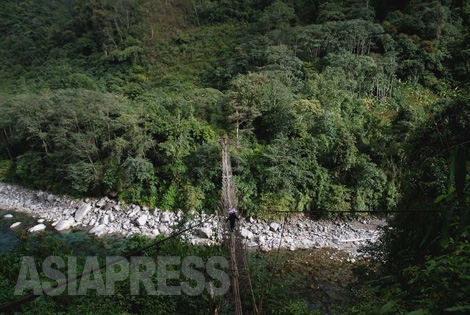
[106,216]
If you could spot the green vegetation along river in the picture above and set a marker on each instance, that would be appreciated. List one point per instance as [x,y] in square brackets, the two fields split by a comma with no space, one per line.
[304,280]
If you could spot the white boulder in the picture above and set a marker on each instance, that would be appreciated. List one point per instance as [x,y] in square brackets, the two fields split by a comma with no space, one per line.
[205,232]
[165,217]
[97,229]
[37,228]
[14,225]
[65,224]
[104,220]
[274,227]
[164,230]
[100,203]
[142,220]
[81,212]
[246,233]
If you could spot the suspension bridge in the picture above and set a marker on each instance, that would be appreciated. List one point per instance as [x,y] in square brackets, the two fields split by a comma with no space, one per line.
[229,201]
[240,278]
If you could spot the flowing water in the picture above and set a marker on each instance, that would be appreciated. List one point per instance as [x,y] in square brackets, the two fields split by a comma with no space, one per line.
[79,241]
[316,276]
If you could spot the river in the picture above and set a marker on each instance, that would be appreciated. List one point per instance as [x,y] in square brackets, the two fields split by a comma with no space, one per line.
[78,241]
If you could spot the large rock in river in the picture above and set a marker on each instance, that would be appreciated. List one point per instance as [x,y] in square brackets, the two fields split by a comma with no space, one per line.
[142,220]
[246,233]
[14,225]
[37,228]
[274,226]
[165,218]
[97,229]
[81,212]
[205,232]
[65,224]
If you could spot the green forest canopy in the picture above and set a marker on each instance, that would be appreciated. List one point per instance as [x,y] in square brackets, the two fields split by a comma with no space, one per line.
[324,100]
[344,105]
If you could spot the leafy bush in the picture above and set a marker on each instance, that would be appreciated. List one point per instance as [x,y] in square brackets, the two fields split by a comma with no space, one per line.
[439,285]
[44,245]
[5,169]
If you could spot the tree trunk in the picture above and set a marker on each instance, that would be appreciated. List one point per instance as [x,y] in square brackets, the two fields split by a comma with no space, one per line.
[195,11]
[5,142]
[238,129]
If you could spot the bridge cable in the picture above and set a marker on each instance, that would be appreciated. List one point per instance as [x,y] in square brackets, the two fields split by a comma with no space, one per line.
[275,264]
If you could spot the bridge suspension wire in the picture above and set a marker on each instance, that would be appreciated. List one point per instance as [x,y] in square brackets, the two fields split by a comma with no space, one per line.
[229,201]
[263,290]
[250,282]
[359,211]
[10,307]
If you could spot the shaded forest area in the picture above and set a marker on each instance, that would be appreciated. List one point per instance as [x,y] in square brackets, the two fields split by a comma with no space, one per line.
[344,105]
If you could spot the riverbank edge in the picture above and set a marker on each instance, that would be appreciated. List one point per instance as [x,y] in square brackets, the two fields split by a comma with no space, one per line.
[104,216]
